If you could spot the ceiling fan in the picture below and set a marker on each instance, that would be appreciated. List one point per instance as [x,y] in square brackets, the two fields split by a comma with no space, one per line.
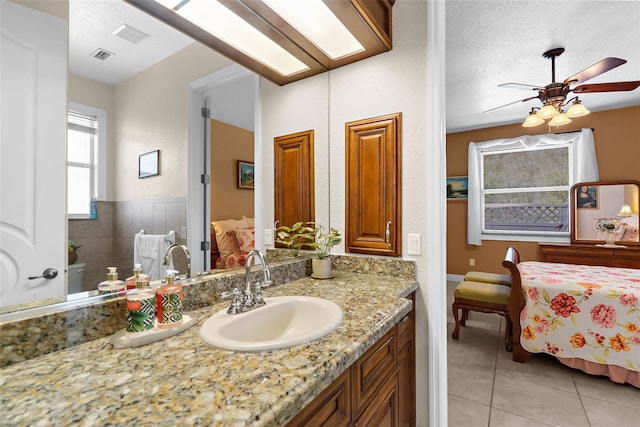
[554,95]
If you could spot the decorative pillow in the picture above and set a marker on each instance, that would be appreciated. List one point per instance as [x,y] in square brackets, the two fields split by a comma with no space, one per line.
[226,243]
[250,221]
[246,239]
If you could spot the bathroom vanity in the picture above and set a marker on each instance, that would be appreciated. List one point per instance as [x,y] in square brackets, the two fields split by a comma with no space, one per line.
[362,372]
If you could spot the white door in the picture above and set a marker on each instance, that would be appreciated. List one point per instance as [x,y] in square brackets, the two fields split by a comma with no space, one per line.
[32,154]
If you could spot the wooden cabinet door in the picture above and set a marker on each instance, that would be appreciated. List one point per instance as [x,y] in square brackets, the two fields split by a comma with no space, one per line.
[406,368]
[373,186]
[294,188]
[382,411]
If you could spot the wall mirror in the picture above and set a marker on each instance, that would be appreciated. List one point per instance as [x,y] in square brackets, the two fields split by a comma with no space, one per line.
[605,212]
[175,155]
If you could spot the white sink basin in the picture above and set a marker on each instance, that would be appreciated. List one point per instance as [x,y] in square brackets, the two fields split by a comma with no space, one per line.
[282,322]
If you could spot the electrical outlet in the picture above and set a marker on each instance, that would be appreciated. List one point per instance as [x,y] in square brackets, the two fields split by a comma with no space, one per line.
[268,237]
[472,262]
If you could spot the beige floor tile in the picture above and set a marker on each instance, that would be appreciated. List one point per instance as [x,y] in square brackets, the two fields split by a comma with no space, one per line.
[538,369]
[470,383]
[538,402]
[475,350]
[465,413]
[602,388]
[606,414]
[500,418]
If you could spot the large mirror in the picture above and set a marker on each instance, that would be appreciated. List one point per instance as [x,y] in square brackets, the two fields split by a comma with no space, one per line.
[605,212]
[148,112]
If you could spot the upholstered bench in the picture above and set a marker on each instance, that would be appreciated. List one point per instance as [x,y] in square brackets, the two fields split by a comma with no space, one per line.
[483,297]
[479,276]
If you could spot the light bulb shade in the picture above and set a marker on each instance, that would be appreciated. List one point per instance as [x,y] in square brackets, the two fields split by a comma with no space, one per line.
[559,120]
[577,110]
[547,112]
[532,120]
[625,210]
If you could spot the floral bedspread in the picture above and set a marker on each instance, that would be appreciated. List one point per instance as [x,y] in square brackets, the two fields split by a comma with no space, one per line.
[587,312]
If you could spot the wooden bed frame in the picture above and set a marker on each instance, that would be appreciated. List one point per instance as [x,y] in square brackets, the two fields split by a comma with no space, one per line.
[515,304]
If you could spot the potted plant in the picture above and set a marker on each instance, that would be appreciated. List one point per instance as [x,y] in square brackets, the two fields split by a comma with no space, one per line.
[322,245]
[295,237]
[73,255]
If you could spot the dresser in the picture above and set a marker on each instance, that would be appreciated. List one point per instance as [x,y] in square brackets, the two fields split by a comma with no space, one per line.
[628,257]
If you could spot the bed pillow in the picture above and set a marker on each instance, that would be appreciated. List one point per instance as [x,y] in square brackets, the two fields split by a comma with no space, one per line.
[226,242]
[250,221]
[246,239]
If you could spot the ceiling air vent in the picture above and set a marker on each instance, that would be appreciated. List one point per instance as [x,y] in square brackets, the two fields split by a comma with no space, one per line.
[130,34]
[101,54]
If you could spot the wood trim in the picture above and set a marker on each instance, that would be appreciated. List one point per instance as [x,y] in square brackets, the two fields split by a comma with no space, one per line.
[515,304]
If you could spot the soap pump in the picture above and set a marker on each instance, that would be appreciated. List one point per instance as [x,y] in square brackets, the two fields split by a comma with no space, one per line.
[169,300]
[141,307]
[131,282]
[112,284]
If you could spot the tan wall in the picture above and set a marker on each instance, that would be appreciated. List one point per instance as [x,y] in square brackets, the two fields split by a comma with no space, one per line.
[152,114]
[228,145]
[617,139]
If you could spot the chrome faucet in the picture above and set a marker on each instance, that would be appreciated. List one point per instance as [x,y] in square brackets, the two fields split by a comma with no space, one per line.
[251,296]
[168,256]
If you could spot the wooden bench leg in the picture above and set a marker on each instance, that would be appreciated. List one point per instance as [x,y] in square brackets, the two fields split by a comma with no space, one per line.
[465,316]
[456,332]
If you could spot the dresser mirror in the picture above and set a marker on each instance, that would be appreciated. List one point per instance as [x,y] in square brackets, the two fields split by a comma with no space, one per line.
[605,212]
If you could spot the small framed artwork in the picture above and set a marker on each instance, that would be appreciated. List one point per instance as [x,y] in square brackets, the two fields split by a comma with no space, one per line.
[245,175]
[457,187]
[148,164]
[587,197]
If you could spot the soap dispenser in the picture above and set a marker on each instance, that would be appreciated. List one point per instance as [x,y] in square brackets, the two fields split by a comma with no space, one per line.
[169,300]
[112,284]
[137,273]
[141,307]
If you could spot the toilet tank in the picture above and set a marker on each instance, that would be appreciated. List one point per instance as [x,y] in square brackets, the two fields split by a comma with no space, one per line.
[76,276]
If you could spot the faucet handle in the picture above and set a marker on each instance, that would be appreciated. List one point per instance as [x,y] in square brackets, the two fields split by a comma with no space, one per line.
[236,300]
[266,283]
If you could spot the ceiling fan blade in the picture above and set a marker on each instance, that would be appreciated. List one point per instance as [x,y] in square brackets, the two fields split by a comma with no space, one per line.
[520,86]
[607,87]
[595,70]
[511,103]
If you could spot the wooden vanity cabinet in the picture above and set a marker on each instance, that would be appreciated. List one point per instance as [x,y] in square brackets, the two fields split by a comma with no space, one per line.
[628,257]
[377,390]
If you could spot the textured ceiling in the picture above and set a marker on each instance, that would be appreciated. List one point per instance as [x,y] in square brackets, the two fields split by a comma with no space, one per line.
[494,42]
[488,42]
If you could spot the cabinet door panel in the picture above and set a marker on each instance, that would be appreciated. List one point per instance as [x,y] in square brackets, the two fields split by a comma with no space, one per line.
[294,185]
[373,190]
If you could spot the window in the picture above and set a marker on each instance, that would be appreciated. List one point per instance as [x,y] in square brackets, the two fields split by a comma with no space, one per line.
[84,140]
[519,188]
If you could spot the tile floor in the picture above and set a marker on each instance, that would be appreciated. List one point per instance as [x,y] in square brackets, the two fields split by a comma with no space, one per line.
[486,388]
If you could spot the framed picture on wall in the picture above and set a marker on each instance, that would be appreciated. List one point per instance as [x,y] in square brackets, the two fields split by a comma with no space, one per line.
[457,187]
[245,175]
[148,164]
[587,197]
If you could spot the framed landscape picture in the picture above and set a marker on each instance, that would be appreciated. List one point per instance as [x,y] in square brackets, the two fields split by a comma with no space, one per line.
[457,187]
[245,175]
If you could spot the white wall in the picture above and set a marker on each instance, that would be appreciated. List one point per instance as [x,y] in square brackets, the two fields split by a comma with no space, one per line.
[392,82]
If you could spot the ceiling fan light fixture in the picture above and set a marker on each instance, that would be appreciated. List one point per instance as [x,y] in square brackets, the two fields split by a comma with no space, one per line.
[559,120]
[577,109]
[547,112]
[532,120]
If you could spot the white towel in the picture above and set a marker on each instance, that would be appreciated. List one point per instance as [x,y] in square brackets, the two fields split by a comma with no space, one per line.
[149,250]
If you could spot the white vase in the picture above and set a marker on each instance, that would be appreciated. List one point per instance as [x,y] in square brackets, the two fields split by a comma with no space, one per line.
[321,268]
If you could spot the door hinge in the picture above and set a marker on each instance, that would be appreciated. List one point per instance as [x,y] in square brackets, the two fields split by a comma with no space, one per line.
[205,179]
[204,246]
[206,113]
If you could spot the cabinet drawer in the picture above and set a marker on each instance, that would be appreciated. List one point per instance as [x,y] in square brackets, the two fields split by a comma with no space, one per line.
[374,367]
[626,262]
[331,408]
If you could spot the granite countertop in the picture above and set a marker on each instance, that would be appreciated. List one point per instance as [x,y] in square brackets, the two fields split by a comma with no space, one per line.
[181,380]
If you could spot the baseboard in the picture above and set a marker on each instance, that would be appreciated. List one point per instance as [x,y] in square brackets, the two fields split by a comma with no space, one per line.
[454,277]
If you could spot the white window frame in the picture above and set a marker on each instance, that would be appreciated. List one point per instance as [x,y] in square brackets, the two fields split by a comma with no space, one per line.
[100,166]
[583,167]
